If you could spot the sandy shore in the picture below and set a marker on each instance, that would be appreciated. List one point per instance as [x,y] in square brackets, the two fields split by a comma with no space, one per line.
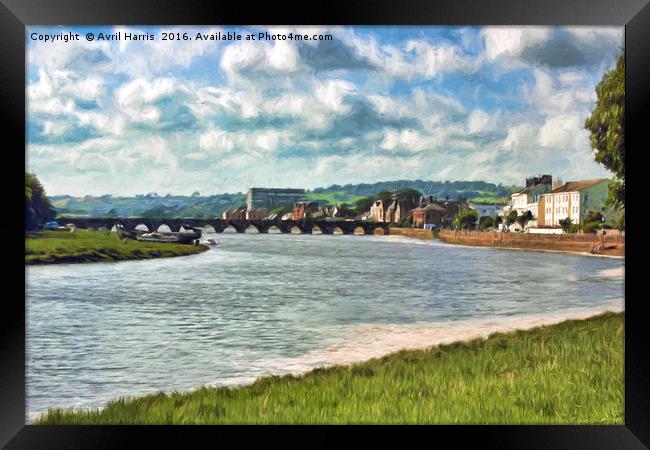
[365,342]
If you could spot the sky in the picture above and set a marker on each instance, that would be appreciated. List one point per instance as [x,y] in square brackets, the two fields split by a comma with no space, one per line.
[372,104]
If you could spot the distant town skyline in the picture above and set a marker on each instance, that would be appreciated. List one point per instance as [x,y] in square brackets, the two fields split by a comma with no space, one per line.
[495,104]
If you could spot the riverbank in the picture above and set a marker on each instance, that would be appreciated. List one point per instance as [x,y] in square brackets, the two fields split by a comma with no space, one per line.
[83,246]
[417,233]
[566,243]
[568,373]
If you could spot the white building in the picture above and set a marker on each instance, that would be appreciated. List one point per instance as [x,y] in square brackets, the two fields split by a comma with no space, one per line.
[528,199]
[573,200]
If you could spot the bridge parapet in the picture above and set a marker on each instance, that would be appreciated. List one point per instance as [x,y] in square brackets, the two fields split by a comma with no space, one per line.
[219,225]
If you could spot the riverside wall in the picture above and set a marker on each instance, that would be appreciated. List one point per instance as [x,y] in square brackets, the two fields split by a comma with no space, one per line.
[613,245]
[417,233]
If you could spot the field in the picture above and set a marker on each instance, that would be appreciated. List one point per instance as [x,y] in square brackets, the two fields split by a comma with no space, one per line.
[52,247]
[569,373]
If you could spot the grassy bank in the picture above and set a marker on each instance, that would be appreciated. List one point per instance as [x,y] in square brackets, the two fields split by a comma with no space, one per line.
[566,373]
[52,247]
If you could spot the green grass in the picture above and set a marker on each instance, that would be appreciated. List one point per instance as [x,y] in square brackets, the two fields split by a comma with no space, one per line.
[52,247]
[333,197]
[569,373]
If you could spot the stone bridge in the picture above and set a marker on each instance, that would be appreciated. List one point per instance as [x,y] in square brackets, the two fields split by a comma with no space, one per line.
[240,225]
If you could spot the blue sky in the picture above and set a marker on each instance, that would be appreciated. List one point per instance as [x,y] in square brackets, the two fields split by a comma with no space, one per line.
[373,104]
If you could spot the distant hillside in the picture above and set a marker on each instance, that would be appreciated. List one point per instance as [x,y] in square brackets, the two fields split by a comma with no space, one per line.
[150,205]
[153,205]
[477,191]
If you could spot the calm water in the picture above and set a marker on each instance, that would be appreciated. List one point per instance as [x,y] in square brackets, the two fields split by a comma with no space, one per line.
[260,304]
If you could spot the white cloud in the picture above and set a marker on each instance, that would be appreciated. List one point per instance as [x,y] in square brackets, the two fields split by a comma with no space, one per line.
[136,98]
[510,42]
[280,57]
[480,121]
[332,92]
[562,131]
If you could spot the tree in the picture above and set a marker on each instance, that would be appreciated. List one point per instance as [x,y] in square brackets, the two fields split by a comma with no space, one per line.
[568,226]
[606,127]
[485,222]
[510,218]
[363,204]
[593,222]
[524,219]
[466,219]
[410,195]
[38,208]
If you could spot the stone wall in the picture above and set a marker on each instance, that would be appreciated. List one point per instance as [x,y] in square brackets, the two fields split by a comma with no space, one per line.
[418,233]
[614,245]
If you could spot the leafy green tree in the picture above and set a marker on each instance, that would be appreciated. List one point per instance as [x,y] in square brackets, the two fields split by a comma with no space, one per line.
[409,195]
[594,216]
[406,221]
[510,218]
[524,218]
[593,222]
[485,222]
[606,127]
[466,219]
[38,209]
[363,204]
[568,226]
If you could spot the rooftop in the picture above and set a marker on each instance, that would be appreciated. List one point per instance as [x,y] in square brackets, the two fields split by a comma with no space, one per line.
[571,186]
[431,207]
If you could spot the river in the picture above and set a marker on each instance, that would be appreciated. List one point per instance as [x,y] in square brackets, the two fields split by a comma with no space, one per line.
[259,304]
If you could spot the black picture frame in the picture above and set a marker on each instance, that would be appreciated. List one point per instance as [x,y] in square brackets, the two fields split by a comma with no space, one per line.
[15,15]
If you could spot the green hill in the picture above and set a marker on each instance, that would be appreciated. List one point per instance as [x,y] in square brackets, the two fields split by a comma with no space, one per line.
[197,206]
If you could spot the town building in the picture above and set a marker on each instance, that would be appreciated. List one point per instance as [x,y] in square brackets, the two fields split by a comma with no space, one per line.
[528,198]
[573,200]
[257,214]
[398,209]
[271,198]
[429,213]
[300,210]
[234,213]
[378,209]
[485,210]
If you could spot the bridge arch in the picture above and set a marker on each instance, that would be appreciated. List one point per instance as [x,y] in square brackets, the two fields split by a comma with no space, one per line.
[142,226]
[316,230]
[359,230]
[379,231]
[252,229]
[337,230]
[295,229]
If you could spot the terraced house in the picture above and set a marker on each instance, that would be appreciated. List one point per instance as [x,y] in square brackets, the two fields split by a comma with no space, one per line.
[528,198]
[574,199]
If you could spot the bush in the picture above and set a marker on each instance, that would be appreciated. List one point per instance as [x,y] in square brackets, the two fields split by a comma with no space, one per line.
[591,227]
[485,222]
[466,219]
[566,225]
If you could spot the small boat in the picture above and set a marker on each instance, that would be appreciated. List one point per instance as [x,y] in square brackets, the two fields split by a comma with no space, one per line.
[211,241]
[177,238]
[124,233]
